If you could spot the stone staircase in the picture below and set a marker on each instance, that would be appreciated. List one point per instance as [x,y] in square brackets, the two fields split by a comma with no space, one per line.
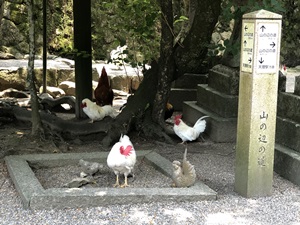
[287,148]
[217,99]
[185,89]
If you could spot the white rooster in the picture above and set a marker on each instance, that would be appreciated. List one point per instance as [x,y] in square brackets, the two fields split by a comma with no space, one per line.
[121,159]
[96,112]
[187,133]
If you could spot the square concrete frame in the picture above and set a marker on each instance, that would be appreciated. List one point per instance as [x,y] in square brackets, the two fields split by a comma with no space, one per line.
[34,196]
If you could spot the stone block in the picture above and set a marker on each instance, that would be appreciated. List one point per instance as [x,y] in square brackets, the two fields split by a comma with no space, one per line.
[287,163]
[189,80]
[288,106]
[218,129]
[179,95]
[222,104]
[287,132]
[224,79]
[16,78]
[297,85]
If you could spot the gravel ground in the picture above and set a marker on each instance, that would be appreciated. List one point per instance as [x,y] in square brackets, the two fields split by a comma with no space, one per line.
[214,165]
[58,177]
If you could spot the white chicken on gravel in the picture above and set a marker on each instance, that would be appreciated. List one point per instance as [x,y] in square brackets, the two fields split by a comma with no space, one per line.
[121,159]
[187,133]
[96,112]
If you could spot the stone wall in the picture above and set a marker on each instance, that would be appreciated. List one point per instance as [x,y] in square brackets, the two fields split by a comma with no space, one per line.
[13,30]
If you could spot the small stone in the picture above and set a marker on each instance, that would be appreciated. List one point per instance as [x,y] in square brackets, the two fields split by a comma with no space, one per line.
[77,182]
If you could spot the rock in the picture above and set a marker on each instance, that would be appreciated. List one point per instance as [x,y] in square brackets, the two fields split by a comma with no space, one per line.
[125,83]
[13,93]
[55,92]
[90,168]
[69,62]
[77,182]
[12,78]
[68,87]
[4,55]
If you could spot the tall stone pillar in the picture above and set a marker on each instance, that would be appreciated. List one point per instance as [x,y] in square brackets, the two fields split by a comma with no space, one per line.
[260,47]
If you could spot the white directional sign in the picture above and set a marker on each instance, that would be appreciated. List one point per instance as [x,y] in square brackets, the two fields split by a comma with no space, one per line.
[267,47]
[247,47]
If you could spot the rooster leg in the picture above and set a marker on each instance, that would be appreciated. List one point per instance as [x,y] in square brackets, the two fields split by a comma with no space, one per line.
[125,183]
[202,138]
[117,184]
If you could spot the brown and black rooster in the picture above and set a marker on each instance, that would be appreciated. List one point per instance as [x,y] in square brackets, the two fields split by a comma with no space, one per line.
[103,93]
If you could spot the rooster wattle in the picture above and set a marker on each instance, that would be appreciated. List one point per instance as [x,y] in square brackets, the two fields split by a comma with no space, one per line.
[121,159]
[187,133]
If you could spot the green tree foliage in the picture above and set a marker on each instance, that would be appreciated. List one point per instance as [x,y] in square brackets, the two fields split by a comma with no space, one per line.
[60,27]
[291,33]
[234,10]
[133,23]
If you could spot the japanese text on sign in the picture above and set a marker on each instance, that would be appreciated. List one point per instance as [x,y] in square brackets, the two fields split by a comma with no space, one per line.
[262,139]
[268,39]
[247,47]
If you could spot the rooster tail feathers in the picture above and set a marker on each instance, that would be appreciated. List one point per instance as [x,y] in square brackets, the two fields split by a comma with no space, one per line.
[200,125]
[184,155]
[187,168]
[201,119]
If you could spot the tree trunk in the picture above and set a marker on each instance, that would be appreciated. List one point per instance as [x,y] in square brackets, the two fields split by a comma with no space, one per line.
[232,54]
[35,115]
[166,63]
[145,110]
[138,108]
[190,53]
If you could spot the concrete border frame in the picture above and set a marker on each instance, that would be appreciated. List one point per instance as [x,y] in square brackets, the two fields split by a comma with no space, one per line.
[34,196]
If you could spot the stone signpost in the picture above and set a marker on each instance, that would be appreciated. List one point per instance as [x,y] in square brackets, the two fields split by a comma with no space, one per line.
[260,47]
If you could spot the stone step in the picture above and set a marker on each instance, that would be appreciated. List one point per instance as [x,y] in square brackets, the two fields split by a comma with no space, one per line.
[287,163]
[297,85]
[219,129]
[222,104]
[288,106]
[179,95]
[224,79]
[287,132]
[190,80]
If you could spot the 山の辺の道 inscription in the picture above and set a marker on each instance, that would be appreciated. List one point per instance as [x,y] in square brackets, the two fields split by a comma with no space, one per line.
[260,48]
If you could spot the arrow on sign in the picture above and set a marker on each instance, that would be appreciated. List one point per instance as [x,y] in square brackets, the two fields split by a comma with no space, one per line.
[246,28]
[273,44]
[249,60]
[262,28]
[261,60]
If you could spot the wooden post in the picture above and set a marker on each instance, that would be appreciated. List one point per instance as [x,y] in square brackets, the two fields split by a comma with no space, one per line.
[44,46]
[83,52]
[260,47]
